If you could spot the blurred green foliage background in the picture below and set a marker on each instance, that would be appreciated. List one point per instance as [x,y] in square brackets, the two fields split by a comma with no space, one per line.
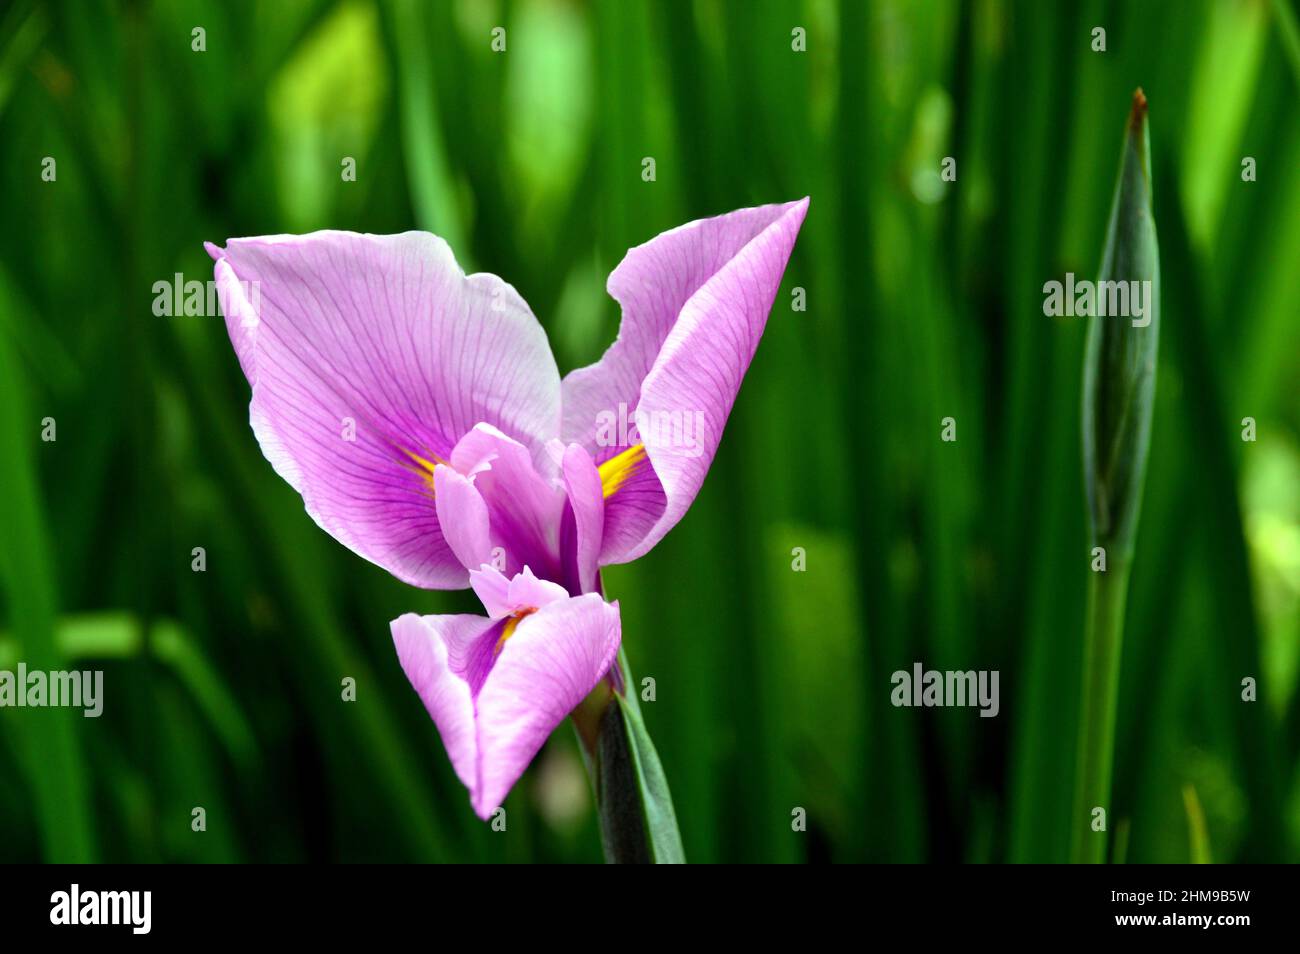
[924,300]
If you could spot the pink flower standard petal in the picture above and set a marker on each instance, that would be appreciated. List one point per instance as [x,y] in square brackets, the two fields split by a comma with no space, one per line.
[462,516]
[495,710]
[502,597]
[527,592]
[587,515]
[493,590]
[369,357]
[524,508]
[695,301]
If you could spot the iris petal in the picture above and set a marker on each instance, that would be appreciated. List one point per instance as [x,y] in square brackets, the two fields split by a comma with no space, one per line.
[695,301]
[369,358]
[495,709]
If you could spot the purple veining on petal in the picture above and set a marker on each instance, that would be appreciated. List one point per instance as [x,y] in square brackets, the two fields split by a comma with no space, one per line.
[369,358]
[420,414]
[695,301]
[494,702]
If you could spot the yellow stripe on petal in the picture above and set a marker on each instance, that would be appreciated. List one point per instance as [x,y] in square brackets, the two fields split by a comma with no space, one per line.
[509,629]
[616,471]
[506,632]
[425,465]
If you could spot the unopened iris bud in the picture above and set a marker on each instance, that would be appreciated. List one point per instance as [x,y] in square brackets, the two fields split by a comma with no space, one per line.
[1119,376]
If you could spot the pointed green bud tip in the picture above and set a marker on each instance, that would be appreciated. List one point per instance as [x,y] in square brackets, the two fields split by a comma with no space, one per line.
[1119,375]
[1136,136]
[1137,117]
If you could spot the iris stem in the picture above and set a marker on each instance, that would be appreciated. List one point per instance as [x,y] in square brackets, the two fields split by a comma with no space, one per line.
[638,823]
[1103,641]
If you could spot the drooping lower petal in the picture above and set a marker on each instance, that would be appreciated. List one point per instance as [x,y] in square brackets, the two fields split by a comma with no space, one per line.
[444,658]
[369,357]
[695,301]
[496,700]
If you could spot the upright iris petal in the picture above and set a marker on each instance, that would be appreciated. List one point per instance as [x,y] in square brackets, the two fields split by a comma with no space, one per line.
[502,596]
[695,301]
[524,507]
[584,528]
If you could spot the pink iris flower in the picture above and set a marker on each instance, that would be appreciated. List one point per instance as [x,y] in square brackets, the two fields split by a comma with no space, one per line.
[420,414]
